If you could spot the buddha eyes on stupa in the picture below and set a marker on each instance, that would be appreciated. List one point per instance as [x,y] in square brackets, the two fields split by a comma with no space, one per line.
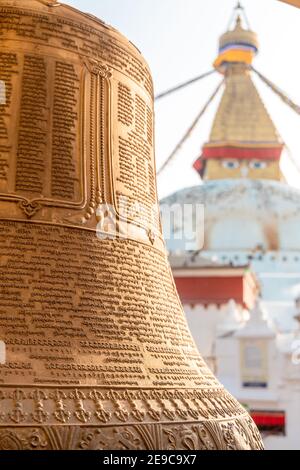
[231,165]
[257,165]
[234,164]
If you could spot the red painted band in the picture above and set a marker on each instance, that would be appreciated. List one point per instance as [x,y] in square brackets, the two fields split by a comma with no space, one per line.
[261,419]
[242,153]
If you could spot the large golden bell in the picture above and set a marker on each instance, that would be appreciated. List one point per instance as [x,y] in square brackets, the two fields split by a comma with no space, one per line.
[98,352]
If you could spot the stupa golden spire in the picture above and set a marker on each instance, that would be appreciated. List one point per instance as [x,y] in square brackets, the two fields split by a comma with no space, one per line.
[243,141]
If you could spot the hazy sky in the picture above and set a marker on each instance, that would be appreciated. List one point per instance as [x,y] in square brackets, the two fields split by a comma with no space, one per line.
[179,39]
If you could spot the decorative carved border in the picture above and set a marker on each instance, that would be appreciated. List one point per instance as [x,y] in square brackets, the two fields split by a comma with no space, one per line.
[239,434]
[96,405]
[97,419]
[100,92]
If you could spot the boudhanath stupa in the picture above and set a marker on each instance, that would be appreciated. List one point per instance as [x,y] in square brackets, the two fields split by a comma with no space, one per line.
[239,280]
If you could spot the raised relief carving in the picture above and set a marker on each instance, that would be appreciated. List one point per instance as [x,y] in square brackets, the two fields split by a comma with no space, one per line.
[39,415]
[130,437]
[100,90]
[17,415]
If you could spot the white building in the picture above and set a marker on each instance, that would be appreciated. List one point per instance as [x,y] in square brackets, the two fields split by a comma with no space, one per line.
[251,225]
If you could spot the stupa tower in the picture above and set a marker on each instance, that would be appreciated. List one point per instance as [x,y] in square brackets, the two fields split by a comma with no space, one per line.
[243,141]
[250,228]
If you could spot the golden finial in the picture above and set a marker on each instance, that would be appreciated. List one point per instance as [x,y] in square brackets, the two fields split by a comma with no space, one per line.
[239,44]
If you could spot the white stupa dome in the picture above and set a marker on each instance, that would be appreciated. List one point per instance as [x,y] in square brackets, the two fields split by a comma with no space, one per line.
[239,215]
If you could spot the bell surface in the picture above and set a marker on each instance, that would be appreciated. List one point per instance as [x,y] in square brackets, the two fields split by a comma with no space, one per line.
[96,351]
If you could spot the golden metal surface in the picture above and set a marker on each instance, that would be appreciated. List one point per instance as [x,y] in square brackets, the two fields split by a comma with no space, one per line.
[295,3]
[242,116]
[98,352]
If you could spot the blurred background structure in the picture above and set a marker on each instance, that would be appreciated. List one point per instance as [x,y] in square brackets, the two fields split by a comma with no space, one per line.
[239,282]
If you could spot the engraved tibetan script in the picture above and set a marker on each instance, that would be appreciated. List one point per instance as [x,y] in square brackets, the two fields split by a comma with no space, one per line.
[8,77]
[40,140]
[135,176]
[63,303]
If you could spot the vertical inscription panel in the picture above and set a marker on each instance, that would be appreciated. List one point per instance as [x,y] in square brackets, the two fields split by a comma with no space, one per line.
[40,128]
[133,154]
[10,78]
[32,126]
[65,168]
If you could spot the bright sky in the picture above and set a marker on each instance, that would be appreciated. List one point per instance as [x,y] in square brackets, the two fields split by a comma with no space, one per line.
[179,39]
